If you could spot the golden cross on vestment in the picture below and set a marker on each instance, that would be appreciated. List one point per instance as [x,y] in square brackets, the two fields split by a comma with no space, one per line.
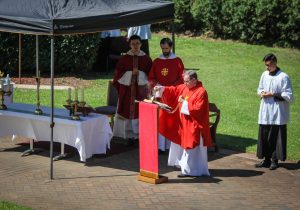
[164,71]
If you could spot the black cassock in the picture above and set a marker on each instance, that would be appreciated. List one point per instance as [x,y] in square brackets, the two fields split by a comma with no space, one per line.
[272,141]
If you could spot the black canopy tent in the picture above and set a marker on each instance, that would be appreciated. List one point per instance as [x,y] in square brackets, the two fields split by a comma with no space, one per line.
[60,17]
[56,17]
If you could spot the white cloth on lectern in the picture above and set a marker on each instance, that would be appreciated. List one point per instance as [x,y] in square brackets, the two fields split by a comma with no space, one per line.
[163,143]
[126,128]
[192,162]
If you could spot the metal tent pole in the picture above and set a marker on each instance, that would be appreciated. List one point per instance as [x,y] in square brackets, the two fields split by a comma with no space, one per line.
[20,55]
[173,36]
[37,54]
[52,107]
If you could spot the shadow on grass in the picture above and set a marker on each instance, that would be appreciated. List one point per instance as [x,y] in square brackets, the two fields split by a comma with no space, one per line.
[235,143]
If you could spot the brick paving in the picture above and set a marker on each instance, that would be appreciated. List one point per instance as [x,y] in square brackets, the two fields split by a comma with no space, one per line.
[111,183]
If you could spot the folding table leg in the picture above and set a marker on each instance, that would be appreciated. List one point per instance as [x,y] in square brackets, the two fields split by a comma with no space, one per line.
[62,154]
[31,150]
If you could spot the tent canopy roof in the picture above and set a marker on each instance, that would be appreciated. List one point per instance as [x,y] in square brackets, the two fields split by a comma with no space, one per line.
[55,17]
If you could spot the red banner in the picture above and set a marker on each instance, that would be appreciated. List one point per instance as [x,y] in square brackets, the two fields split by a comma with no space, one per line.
[148,137]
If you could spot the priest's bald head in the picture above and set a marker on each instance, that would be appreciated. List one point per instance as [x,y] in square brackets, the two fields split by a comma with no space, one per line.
[190,78]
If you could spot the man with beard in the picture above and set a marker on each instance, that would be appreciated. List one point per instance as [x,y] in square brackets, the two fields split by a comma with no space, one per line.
[166,70]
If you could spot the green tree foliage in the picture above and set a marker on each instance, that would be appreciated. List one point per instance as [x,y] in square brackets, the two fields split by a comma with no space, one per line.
[206,14]
[183,15]
[72,53]
[267,22]
[8,52]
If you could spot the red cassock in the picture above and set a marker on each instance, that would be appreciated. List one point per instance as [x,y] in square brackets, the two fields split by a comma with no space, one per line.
[166,72]
[182,129]
[127,94]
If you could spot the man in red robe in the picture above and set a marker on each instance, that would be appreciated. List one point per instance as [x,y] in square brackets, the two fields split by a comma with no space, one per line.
[131,82]
[189,127]
[166,70]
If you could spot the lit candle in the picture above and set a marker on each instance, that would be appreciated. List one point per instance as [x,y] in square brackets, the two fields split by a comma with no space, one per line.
[82,95]
[69,93]
[76,94]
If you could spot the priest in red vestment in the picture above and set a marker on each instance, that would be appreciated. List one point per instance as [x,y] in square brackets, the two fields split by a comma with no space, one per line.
[131,82]
[166,70]
[189,128]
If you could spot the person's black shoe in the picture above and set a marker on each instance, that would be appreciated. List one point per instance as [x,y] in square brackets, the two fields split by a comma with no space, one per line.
[130,142]
[263,164]
[274,165]
[183,176]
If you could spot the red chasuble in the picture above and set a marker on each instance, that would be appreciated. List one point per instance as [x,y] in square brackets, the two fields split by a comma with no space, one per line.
[127,107]
[184,129]
[166,72]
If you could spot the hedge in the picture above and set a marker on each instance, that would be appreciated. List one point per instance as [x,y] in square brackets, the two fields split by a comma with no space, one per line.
[72,53]
[274,22]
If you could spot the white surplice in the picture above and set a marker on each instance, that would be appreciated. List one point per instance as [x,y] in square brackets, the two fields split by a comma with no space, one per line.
[129,128]
[126,128]
[192,162]
[273,112]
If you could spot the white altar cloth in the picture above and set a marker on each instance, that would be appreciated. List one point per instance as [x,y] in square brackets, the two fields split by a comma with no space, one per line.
[91,135]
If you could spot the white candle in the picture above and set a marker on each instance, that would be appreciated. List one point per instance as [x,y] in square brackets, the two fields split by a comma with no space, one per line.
[76,94]
[82,95]
[69,93]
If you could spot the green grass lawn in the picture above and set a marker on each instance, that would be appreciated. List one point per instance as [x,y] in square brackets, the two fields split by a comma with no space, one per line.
[230,72]
[4,205]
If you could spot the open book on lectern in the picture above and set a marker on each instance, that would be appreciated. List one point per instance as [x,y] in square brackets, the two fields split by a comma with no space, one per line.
[160,105]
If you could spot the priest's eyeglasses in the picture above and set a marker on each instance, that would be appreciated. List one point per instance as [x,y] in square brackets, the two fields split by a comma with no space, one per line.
[186,81]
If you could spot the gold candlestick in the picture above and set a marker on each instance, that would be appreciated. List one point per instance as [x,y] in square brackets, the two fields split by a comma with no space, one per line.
[75,116]
[2,94]
[38,110]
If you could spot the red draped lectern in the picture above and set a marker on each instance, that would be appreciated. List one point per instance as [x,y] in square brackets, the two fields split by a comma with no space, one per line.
[148,141]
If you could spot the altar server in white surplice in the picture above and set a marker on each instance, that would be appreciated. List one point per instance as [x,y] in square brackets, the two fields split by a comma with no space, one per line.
[276,95]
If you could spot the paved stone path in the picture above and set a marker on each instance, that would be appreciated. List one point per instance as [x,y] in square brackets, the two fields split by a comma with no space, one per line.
[46,87]
[111,183]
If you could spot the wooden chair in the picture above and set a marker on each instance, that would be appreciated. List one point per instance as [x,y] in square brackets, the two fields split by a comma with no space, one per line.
[112,102]
[214,114]
[118,47]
